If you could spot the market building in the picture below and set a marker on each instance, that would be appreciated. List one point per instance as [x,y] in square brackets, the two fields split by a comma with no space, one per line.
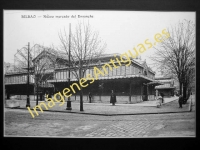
[131,84]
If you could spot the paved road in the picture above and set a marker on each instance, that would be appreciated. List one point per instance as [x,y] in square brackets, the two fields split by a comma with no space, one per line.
[19,123]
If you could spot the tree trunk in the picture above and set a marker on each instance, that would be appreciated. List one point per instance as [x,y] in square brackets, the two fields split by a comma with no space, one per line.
[184,93]
[189,93]
[81,99]
[37,94]
[81,90]
[180,88]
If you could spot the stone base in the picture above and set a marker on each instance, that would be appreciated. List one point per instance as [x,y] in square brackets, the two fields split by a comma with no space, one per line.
[12,104]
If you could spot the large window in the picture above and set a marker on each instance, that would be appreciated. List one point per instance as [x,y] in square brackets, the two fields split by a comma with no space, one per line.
[57,75]
[71,75]
[114,71]
[64,74]
[107,71]
[123,70]
[110,72]
[132,70]
[61,74]
[20,78]
[14,79]
[86,72]
[136,71]
[119,70]
[128,68]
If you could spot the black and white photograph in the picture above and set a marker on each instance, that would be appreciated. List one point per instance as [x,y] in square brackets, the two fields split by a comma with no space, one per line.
[99,73]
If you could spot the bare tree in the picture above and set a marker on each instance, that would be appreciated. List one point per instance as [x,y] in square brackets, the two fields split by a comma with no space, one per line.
[85,48]
[176,54]
[43,62]
[189,81]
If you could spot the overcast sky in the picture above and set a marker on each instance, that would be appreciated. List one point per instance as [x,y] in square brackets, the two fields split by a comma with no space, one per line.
[121,30]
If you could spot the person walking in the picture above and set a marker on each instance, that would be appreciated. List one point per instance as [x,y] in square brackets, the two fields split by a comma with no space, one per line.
[159,100]
[162,95]
[90,97]
[45,95]
[50,95]
[180,100]
[113,98]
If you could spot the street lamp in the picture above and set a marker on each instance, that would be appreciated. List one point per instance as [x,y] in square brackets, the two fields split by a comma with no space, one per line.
[68,101]
[28,99]
[100,84]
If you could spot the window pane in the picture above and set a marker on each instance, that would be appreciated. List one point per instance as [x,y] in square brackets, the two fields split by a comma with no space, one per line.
[128,69]
[123,70]
[118,70]
[61,75]
[114,71]
[132,70]
[64,74]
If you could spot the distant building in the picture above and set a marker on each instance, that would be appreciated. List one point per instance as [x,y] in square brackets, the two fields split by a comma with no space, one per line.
[168,87]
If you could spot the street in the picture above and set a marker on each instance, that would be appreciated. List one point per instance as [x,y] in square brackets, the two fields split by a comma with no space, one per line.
[57,124]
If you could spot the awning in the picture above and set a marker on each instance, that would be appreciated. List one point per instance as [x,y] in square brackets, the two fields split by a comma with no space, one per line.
[60,80]
[164,87]
[106,78]
[155,83]
[165,81]
[18,83]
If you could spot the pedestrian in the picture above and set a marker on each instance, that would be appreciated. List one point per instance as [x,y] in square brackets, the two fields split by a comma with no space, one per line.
[113,98]
[45,95]
[162,95]
[90,97]
[156,94]
[49,94]
[180,101]
[41,95]
[159,100]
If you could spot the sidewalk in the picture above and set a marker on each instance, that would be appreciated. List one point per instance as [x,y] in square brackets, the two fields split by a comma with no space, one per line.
[153,103]
[146,107]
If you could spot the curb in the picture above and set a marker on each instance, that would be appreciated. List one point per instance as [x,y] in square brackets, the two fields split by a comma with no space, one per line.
[170,101]
[104,114]
[123,104]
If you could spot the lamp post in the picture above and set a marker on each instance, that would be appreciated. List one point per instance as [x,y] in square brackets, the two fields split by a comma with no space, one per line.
[43,84]
[68,101]
[28,99]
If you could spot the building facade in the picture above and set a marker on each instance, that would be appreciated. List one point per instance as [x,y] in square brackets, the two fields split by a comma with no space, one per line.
[132,84]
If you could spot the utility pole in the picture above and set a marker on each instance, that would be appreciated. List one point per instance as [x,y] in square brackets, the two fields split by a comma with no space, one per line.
[28,99]
[69,102]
